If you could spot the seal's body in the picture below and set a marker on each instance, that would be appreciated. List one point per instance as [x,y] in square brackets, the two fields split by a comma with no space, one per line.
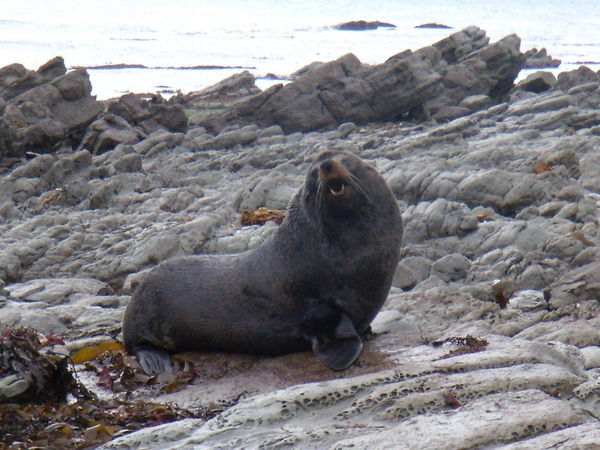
[317,283]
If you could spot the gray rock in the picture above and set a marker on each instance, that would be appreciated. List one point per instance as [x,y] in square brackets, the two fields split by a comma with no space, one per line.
[376,408]
[129,163]
[439,218]
[325,95]
[453,267]
[274,130]
[580,284]
[591,357]
[411,271]
[109,131]
[53,68]
[228,139]
[537,82]
[49,114]
[151,116]
[535,277]
[448,113]
[103,196]
[272,192]
[567,80]
[539,59]
[16,79]
[361,25]
[236,86]
[160,139]
[176,200]
[476,102]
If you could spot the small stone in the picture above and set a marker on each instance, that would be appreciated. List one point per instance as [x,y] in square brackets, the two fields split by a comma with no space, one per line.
[346,128]
[475,102]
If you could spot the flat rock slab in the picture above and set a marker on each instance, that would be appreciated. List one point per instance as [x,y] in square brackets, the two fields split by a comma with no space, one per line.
[512,391]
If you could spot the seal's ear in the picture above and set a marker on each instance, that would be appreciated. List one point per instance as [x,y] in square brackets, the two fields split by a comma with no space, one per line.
[341,351]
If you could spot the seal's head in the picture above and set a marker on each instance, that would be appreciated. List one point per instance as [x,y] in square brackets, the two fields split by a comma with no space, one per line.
[342,185]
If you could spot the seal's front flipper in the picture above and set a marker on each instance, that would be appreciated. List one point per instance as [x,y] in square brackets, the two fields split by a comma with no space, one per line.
[339,347]
[153,360]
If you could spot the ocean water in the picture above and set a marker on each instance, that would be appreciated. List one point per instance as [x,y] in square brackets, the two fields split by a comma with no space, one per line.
[267,36]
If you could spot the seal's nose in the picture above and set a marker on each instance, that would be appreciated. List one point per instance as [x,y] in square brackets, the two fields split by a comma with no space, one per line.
[327,166]
[334,176]
[331,168]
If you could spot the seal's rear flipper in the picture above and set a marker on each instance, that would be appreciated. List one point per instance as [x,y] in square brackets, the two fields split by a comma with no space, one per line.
[154,361]
[342,350]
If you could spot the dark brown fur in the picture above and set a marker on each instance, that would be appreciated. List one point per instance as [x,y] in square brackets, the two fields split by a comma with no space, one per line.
[334,254]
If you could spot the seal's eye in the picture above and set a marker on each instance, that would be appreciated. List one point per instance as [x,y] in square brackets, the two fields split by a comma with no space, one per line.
[336,187]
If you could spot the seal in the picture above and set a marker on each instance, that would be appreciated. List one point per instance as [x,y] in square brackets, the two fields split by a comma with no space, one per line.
[316,283]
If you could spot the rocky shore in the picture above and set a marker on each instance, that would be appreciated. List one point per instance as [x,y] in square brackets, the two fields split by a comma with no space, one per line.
[490,336]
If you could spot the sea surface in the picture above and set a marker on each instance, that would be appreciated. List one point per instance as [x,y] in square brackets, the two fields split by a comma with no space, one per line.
[176,40]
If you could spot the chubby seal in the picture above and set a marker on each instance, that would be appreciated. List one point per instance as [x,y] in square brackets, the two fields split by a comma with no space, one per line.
[317,283]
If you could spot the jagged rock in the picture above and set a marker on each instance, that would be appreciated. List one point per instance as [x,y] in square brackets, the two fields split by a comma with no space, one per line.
[107,132]
[172,117]
[16,79]
[539,59]
[49,115]
[475,70]
[439,77]
[149,116]
[53,68]
[234,87]
[582,75]
[538,82]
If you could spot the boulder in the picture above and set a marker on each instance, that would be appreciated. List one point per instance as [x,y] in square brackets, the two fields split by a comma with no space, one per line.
[109,131]
[234,87]
[16,79]
[49,115]
[538,82]
[581,75]
[149,116]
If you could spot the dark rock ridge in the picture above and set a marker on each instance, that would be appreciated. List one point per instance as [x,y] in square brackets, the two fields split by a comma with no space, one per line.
[129,119]
[361,25]
[44,109]
[51,109]
[430,82]
[16,79]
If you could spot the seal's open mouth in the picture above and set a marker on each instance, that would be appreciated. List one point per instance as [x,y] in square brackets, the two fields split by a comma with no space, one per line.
[334,175]
[337,187]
